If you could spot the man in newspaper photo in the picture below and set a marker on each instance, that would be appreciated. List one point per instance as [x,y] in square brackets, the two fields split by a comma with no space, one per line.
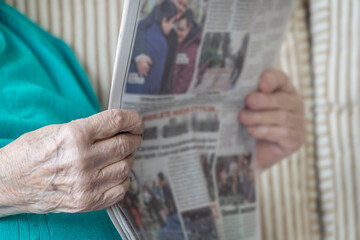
[157,48]
[143,61]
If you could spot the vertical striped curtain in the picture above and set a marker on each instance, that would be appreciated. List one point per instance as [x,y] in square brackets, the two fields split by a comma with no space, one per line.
[288,191]
[335,32]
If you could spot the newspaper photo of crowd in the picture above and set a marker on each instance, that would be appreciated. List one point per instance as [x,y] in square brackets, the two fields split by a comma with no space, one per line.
[166,46]
[200,224]
[221,62]
[151,207]
[235,180]
[160,211]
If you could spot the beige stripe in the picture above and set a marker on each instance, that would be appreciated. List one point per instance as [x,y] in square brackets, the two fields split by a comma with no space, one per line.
[350,206]
[356,121]
[262,208]
[49,13]
[336,220]
[38,11]
[26,5]
[351,130]
[292,163]
[282,199]
[108,45]
[84,22]
[339,126]
[72,20]
[273,205]
[61,18]
[96,29]
[287,174]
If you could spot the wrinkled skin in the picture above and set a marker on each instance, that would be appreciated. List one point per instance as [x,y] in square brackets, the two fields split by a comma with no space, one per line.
[80,166]
[275,118]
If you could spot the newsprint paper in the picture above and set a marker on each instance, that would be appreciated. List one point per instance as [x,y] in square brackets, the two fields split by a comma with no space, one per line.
[193,176]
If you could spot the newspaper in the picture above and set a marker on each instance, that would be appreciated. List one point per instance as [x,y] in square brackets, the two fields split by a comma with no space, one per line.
[193,176]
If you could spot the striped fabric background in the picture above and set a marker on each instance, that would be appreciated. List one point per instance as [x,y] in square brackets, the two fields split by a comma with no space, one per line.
[335,30]
[289,190]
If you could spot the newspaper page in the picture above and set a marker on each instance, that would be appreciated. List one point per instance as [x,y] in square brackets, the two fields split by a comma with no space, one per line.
[193,175]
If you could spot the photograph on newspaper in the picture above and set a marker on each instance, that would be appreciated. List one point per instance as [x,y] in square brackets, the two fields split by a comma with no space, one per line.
[221,61]
[166,46]
[235,180]
[172,193]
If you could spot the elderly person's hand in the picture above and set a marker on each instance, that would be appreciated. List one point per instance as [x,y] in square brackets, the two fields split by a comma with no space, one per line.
[275,117]
[80,166]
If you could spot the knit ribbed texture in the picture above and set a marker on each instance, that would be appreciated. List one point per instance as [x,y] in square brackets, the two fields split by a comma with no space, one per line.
[41,83]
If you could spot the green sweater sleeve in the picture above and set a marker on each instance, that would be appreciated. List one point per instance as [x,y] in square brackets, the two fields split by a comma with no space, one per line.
[42,83]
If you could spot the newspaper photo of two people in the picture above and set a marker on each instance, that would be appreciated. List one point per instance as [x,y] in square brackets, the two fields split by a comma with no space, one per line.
[192,65]
[168,40]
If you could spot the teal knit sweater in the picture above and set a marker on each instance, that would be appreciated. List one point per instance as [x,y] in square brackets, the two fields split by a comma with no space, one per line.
[42,83]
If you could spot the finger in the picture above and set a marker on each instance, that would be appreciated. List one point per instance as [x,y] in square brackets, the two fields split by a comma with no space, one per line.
[271,118]
[116,172]
[275,80]
[275,101]
[287,138]
[146,70]
[114,194]
[269,156]
[112,150]
[109,123]
[149,61]
[147,67]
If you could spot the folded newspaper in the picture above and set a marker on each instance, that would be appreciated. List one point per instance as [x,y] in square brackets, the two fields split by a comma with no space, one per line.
[187,66]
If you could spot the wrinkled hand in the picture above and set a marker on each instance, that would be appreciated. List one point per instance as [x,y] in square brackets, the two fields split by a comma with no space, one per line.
[80,166]
[275,117]
[143,65]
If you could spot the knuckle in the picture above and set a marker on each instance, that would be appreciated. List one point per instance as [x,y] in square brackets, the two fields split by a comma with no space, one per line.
[284,118]
[83,201]
[122,192]
[123,145]
[116,117]
[252,100]
[286,133]
[70,133]
[268,74]
[124,170]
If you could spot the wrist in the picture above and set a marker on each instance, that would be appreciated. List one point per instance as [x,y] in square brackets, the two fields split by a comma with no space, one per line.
[139,57]
[7,205]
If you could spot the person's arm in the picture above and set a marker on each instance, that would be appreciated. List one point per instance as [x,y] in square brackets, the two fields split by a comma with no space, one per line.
[139,56]
[80,166]
[275,117]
